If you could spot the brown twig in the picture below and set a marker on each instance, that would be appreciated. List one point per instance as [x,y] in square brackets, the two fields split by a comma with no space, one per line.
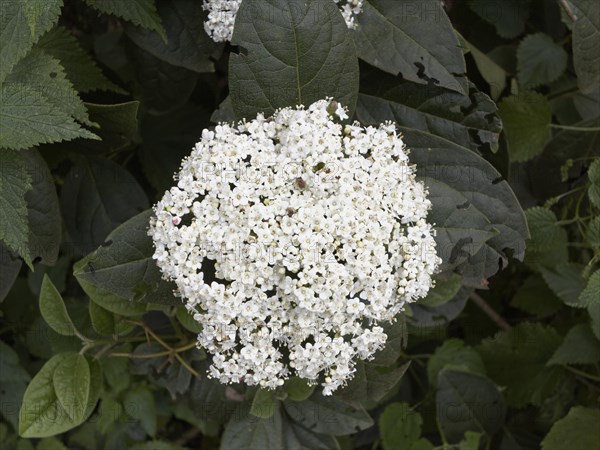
[487,309]
[569,10]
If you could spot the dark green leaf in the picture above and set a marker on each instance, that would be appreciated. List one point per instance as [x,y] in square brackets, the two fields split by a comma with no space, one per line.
[471,441]
[579,347]
[540,60]
[468,402]
[246,432]
[139,12]
[469,121]
[81,69]
[508,16]
[53,309]
[15,182]
[72,383]
[97,196]
[516,359]
[455,355]
[594,175]
[46,76]
[293,52]
[493,74]
[187,43]
[566,282]
[297,437]
[139,404]
[334,417]
[577,431]
[45,228]
[535,297]
[298,389]
[10,265]
[526,120]
[118,127]
[586,46]
[591,293]
[395,36]
[543,228]
[400,427]
[443,291]
[21,25]
[186,319]
[42,414]
[125,268]
[264,404]
[28,119]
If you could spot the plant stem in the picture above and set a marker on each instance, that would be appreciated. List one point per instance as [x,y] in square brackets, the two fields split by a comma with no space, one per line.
[583,374]
[569,10]
[487,309]
[572,128]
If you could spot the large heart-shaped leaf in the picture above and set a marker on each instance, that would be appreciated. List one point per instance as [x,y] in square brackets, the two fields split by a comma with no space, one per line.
[123,266]
[292,52]
[397,36]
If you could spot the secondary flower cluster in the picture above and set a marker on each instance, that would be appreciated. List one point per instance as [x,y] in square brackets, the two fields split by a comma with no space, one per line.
[292,238]
[221,16]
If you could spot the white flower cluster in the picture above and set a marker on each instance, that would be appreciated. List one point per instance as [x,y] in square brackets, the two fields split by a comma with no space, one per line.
[292,238]
[221,16]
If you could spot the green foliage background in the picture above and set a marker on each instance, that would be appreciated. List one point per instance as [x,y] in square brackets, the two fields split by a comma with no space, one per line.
[499,102]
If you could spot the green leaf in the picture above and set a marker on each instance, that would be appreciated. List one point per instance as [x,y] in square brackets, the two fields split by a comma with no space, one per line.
[586,46]
[294,52]
[543,228]
[156,445]
[139,12]
[593,232]
[591,293]
[443,291]
[124,266]
[110,411]
[106,323]
[470,121]
[28,119]
[50,443]
[594,176]
[454,354]
[399,426]
[167,139]
[186,319]
[471,441]
[187,43]
[468,402]
[540,60]
[298,389]
[97,196]
[72,383]
[21,26]
[264,404]
[370,384]
[579,347]
[508,17]
[566,282]
[15,182]
[342,418]
[10,369]
[492,73]
[516,359]
[298,437]
[80,67]
[10,266]
[43,211]
[53,309]
[594,312]
[410,48]
[163,86]
[476,213]
[578,430]
[140,405]
[118,127]
[46,76]
[42,414]
[526,120]
[112,302]
[535,297]
[246,432]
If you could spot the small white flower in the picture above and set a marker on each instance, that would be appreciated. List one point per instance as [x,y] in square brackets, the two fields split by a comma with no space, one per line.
[291,272]
[221,16]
